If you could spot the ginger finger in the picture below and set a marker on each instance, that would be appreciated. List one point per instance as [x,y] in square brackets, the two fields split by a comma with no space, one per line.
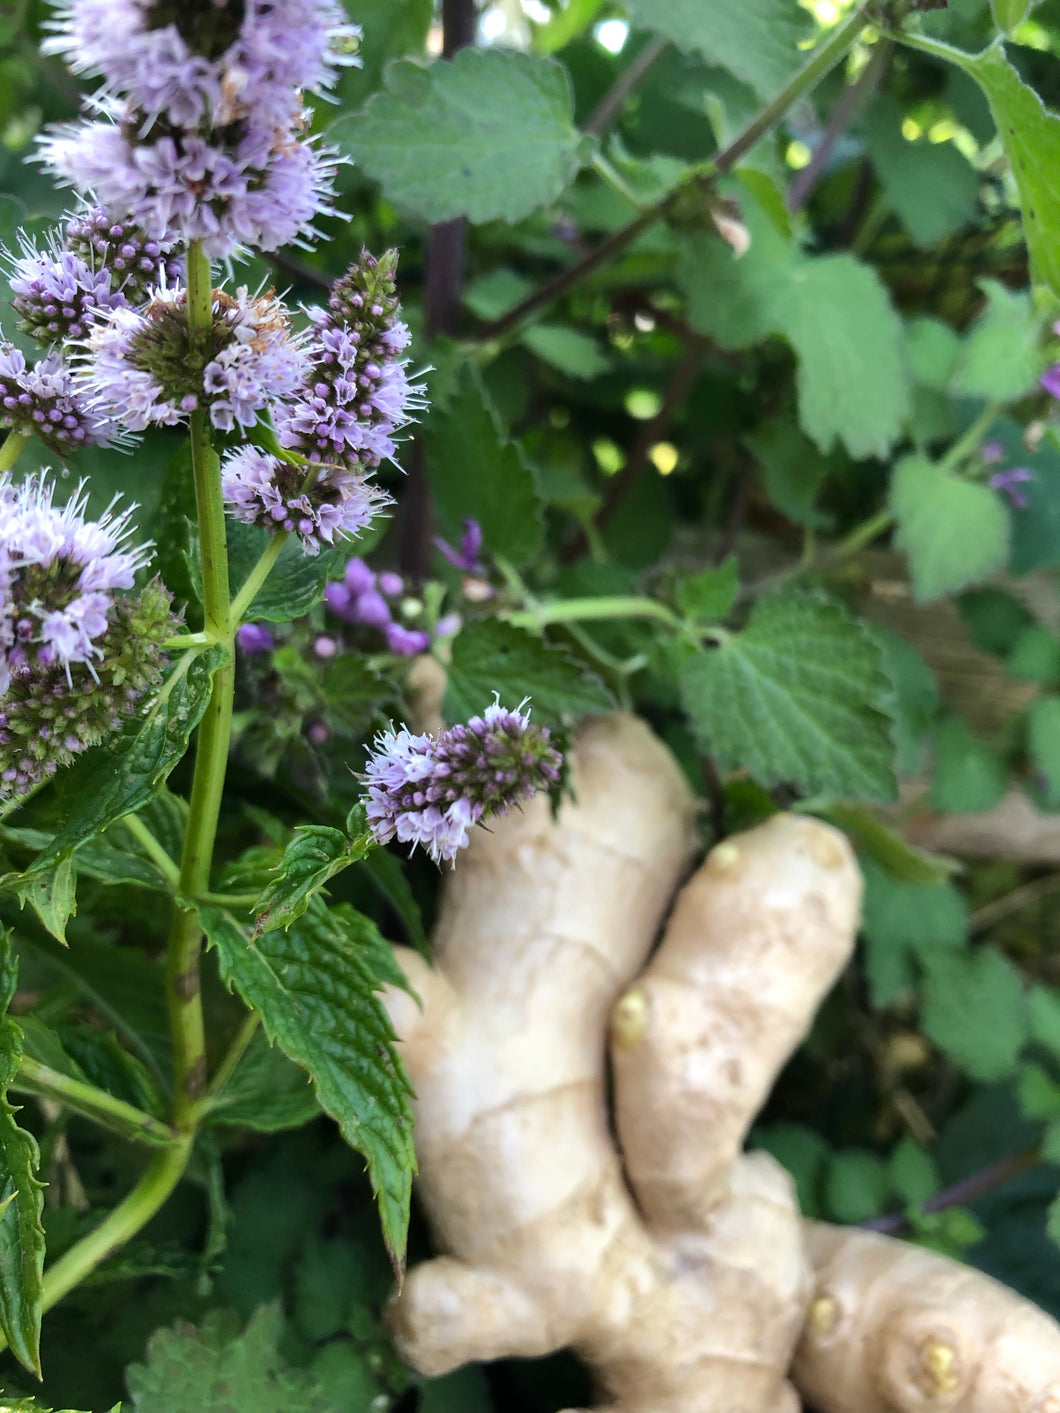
[894,1328]
[756,939]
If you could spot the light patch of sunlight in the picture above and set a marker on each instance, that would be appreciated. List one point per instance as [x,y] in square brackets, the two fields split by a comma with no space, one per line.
[611,34]
[608,455]
[798,155]
[1031,34]
[536,11]
[663,456]
[644,323]
[642,403]
[911,129]
[492,24]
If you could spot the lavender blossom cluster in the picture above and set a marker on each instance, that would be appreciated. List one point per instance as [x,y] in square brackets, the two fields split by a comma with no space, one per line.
[201,121]
[75,652]
[362,598]
[432,792]
[339,424]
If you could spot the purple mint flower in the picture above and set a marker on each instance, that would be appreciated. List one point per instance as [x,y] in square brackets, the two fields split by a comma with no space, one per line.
[371,609]
[138,369]
[1050,380]
[391,584]
[432,792]
[252,185]
[260,489]
[465,557]
[44,401]
[133,263]
[205,67]
[58,575]
[447,625]
[57,296]
[325,647]
[406,642]
[358,578]
[255,638]
[991,453]
[1008,483]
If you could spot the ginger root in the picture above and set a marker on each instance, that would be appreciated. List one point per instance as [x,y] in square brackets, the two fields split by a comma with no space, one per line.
[678,1268]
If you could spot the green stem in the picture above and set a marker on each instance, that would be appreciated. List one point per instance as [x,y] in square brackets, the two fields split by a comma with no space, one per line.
[968,442]
[820,62]
[11,449]
[183,986]
[93,1103]
[257,576]
[188,640]
[130,1215]
[152,848]
[229,900]
[586,610]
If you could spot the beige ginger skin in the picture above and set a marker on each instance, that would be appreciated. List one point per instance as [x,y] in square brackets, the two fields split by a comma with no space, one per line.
[683,1276]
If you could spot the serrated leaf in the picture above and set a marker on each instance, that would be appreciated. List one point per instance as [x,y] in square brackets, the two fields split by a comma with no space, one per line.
[297,580]
[831,308]
[707,597]
[314,989]
[491,656]
[53,896]
[795,698]
[954,531]
[969,777]
[1030,135]
[757,40]
[476,473]
[915,698]
[30,1405]
[489,135]
[975,1010]
[127,771]
[21,1198]
[903,922]
[217,1369]
[315,854]
[1000,359]
[267,1092]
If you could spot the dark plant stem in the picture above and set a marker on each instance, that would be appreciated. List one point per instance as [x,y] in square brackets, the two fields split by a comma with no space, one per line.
[609,107]
[441,306]
[849,100]
[824,58]
[651,432]
[961,1193]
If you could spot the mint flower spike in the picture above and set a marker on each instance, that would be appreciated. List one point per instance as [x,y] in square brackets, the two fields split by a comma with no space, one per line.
[44,401]
[75,653]
[432,792]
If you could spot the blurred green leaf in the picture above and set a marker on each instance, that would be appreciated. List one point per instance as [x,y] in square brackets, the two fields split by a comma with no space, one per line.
[1000,359]
[708,596]
[954,531]
[969,777]
[267,1092]
[931,186]
[975,1010]
[758,40]
[857,1186]
[903,922]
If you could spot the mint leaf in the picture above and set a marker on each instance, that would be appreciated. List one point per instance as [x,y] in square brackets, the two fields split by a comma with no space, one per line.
[793,470]
[975,1011]
[969,777]
[569,351]
[1000,359]
[21,1196]
[856,1187]
[267,1092]
[832,309]
[217,1369]
[314,988]
[53,896]
[476,473]
[932,187]
[127,771]
[933,349]
[954,531]
[488,135]
[757,40]
[491,656]
[903,922]
[709,595]
[794,698]
[1030,135]
[296,583]
[315,854]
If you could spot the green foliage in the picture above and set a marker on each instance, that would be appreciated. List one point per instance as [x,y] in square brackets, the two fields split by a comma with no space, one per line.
[709,596]
[295,585]
[905,923]
[999,359]
[217,1369]
[267,1092]
[930,185]
[795,697]
[969,776]
[492,656]
[127,772]
[952,530]
[315,854]
[758,40]
[488,136]
[975,1010]
[21,1197]
[52,895]
[476,473]
[312,984]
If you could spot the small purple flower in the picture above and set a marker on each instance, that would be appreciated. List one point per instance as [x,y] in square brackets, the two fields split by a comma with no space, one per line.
[57,296]
[260,489]
[465,557]
[991,453]
[255,638]
[358,578]
[1008,483]
[325,647]
[371,609]
[406,642]
[138,367]
[45,401]
[432,792]
[390,584]
[133,263]
[1050,380]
